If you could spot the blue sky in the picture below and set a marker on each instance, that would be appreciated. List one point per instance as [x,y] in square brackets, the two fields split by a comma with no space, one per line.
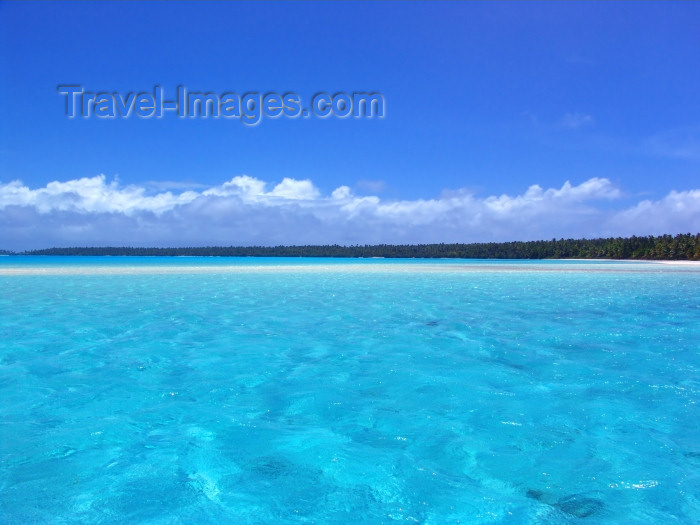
[503,121]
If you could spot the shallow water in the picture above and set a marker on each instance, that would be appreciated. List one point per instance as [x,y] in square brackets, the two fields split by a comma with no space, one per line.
[195,390]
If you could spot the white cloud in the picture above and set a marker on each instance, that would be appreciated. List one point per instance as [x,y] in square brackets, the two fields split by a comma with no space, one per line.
[341,193]
[243,186]
[295,189]
[250,189]
[245,211]
[90,195]
[678,212]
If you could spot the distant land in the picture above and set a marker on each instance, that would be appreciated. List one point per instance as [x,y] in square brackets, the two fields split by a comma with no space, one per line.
[664,247]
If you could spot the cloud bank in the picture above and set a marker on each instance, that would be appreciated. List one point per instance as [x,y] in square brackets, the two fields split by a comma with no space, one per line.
[248,211]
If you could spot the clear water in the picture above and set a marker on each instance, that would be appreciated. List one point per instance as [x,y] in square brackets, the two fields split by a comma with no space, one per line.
[236,391]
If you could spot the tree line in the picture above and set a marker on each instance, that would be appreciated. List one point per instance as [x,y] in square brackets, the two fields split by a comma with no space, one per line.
[663,247]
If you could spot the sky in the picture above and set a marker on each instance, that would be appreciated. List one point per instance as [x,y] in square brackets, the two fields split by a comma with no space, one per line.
[502,121]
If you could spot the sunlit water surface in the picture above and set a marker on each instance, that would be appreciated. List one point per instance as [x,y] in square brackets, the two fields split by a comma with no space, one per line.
[245,391]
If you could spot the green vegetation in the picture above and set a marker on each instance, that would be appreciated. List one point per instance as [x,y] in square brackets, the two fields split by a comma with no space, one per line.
[664,247]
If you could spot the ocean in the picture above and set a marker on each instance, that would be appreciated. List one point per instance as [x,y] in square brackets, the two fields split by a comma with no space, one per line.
[252,391]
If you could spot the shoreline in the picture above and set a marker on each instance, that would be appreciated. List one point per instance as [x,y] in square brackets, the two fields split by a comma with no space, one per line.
[510,266]
[683,262]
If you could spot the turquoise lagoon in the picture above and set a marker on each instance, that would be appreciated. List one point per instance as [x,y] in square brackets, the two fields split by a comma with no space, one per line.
[246,391]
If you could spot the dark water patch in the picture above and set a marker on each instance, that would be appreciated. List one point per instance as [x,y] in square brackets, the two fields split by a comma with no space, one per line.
[580,506]
[295,485]
[576,505]
[535,494]
[270,467]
